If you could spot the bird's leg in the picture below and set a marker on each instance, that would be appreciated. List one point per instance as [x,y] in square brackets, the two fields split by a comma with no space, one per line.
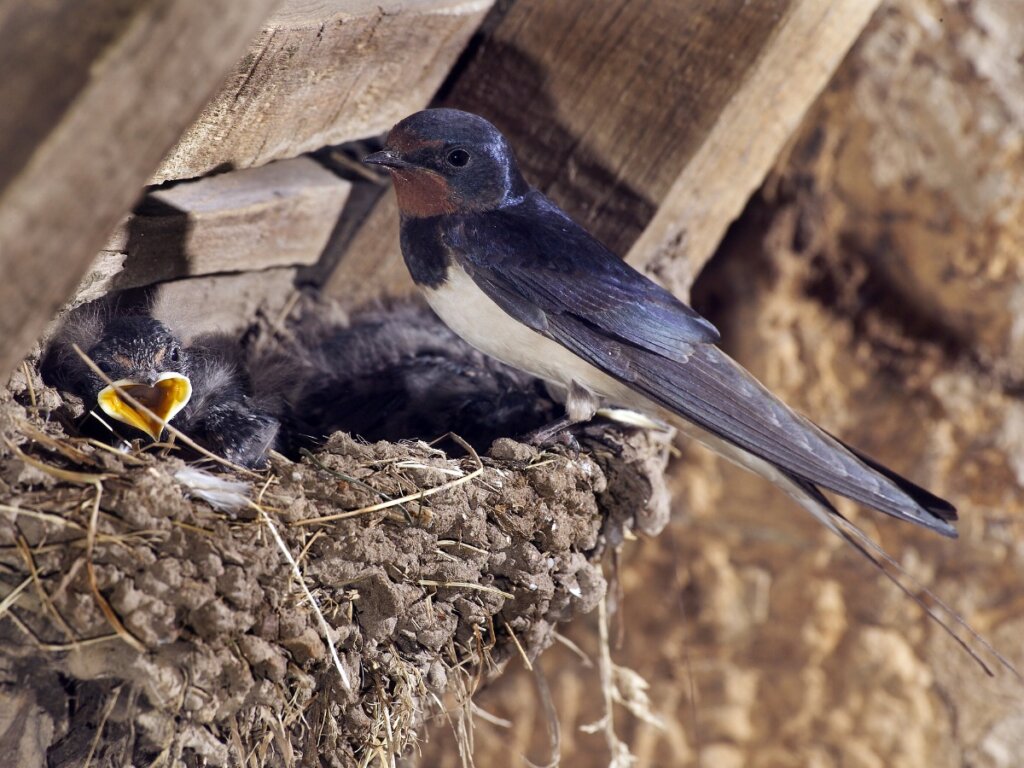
[557,432]
[236,430]
[580,406]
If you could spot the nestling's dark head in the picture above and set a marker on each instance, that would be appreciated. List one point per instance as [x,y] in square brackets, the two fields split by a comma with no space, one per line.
[447,161]
[138,347]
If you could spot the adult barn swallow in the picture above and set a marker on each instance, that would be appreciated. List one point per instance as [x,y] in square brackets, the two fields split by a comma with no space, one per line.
[514,276]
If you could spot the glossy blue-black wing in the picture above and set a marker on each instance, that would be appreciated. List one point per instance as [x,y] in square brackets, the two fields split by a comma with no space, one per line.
[714,392]
[551,275]
[534,262]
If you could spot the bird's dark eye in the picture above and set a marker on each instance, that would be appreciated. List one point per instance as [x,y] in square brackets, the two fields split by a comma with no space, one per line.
[458,158]
[175,354]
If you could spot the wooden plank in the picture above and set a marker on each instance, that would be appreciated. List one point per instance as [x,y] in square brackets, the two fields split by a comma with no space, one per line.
[94,92]
[325,72]
[201,304]
[736,154]
[222,303]
[620,108]
[372,265]
[281,214]
[604,102]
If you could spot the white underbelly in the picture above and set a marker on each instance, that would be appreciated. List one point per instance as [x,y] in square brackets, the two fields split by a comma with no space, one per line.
[475,317]
[469,312]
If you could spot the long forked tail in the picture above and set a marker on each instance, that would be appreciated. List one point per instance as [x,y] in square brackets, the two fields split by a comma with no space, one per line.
[813,500]
[710,396]
[928,501]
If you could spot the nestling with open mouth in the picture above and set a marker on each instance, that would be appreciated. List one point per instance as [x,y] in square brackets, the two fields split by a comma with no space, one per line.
[203,388]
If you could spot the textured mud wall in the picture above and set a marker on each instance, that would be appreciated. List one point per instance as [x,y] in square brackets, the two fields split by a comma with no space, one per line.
[875,283]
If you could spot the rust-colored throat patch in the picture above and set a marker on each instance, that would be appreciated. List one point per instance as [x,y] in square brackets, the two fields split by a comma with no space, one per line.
[165,399]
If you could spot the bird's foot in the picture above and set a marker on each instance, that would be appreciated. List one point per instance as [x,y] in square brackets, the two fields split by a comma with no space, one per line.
[238,431]
[557,434]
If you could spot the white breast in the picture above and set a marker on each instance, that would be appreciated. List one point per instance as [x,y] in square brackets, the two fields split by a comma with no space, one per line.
[476,318]
[469,312]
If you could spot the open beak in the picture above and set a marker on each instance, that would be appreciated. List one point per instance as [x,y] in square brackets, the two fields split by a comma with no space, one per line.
[388,158]
[165,398]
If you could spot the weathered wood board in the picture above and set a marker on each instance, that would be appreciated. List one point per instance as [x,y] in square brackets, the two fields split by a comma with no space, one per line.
[728,165]
[619,110]
[372,264]
[222,303]
[324,72]
[280,214]
[94,92]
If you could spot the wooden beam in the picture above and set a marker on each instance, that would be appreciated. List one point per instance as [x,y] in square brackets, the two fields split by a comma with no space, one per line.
[737,152]
[281,214]
[643,115]
[372,265]
[94,92]
[325,72]
[222,303]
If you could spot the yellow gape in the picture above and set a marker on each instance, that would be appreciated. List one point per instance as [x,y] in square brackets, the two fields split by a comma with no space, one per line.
[165,399]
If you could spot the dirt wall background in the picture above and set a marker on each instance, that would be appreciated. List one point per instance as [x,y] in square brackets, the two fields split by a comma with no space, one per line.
[875,283]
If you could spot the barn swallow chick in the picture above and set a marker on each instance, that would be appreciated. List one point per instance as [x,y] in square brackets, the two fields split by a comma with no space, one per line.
[143,359]
[201,387]
[518,279]
[394,373]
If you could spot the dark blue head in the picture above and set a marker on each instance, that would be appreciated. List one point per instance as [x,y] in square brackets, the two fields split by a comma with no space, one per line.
[447,161]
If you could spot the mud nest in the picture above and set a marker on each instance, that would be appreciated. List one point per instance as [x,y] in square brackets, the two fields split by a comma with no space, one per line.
[149,613]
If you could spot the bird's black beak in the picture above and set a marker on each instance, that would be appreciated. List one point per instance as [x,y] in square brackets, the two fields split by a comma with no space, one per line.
[388,158]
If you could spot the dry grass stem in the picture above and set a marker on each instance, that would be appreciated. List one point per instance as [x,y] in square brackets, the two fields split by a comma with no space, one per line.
[28,383]
[465,585]
[43,517]
[583,656]
[104,716]
[551,723]
[487,717]
[350,479]
[519,646]
[324,626]
[67,475]
[621,757]
[417,496]
[59,647]
[464,545]
[108,612]
[13,595]
[171,429]
[127,458]
[44,598]
[63,447]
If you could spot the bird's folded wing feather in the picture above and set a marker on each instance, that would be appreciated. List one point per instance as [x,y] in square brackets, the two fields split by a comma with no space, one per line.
[553,264]
[628,330]
[712,391]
